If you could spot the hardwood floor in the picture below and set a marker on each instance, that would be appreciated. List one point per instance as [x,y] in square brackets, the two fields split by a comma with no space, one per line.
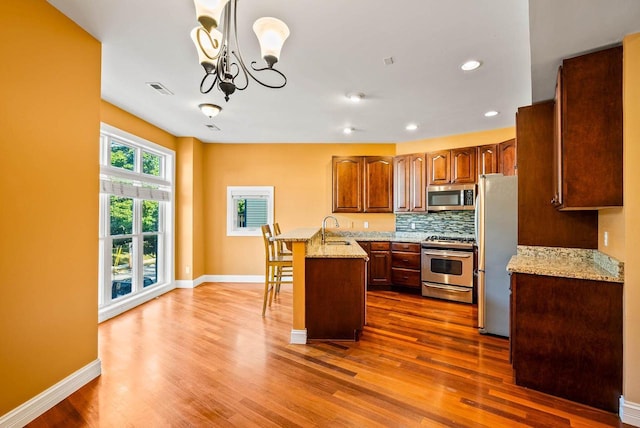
[206,357]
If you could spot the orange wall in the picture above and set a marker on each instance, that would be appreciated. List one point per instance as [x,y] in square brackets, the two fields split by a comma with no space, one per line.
[189,210]
[50,122]
[631,387]
[455,141]
[301,175]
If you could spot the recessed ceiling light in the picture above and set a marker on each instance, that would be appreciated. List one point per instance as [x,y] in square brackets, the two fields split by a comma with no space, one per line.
[491,113]
[355,97]
[471,65]
[411,127]
[348,130]
[210,110]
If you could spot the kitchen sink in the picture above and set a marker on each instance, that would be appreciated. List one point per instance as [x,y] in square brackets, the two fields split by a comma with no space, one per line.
[337,243]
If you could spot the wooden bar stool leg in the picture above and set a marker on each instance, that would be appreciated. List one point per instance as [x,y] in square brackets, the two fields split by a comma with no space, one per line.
[267,277]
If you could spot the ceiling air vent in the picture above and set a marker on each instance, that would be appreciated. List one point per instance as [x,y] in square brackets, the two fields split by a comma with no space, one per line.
[159,87]
[212,127]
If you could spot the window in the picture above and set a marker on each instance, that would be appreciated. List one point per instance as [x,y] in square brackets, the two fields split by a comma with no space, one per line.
[248,208]
[136,220]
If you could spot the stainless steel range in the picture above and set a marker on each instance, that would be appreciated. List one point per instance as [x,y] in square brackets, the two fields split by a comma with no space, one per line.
[447,268]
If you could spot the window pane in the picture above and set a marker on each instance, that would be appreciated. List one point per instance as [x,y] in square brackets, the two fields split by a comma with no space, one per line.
[121,267]
[256,212]
[149,260]
[122,156]
[150,215]
[121,212]
[240,212]
[150,164]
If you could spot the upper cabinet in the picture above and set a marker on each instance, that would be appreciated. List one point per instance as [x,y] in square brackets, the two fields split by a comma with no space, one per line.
[588,132]
[454,166]
[362,184]
[410,172]
[507,157]
[488,159]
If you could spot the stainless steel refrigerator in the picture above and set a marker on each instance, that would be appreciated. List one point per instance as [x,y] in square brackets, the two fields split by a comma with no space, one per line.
[497,239]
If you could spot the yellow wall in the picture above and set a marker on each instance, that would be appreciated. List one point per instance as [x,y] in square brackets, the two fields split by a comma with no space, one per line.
[455,141]
[611,220]
[632,214]
[50,122]
[301,175]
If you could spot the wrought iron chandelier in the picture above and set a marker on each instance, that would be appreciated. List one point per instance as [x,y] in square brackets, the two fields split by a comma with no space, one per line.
[216,41]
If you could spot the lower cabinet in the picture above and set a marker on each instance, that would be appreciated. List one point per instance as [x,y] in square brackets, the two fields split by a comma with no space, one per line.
[335,298]
[566,338]
[405,264]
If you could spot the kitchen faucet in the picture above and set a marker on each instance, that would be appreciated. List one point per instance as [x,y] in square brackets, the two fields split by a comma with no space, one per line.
[324,225]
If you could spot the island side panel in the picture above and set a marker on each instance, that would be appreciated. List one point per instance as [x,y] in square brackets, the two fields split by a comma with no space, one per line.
[299,258]
[335,298]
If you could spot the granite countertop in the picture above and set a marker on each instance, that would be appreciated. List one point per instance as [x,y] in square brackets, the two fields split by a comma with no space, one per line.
[390,236]
[317,250]
[567,263]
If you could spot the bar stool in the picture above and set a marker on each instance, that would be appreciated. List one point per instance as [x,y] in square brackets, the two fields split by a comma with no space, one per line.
[277,267]
[282,249]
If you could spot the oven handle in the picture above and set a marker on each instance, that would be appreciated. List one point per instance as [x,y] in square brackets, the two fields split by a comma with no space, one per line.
[457,254]
[453,288]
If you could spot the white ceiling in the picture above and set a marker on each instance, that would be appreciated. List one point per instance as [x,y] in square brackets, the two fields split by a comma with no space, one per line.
[338,46]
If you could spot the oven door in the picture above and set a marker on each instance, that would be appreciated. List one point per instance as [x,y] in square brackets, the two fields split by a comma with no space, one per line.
[447,267]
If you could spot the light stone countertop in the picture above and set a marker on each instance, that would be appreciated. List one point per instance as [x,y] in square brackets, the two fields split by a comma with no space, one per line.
[566,263]
[317,250]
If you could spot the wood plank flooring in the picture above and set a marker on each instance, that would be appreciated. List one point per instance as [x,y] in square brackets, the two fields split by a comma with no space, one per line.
[206,357]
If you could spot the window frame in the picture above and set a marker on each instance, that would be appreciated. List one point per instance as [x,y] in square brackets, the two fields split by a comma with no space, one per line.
[248,192]
[147,187]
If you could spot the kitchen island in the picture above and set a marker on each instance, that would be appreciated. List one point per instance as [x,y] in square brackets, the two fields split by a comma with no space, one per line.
[329,286]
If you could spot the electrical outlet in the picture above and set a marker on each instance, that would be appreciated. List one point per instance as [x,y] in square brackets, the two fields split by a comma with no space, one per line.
[366,225]
[187,270]
[413,226]
[606,239]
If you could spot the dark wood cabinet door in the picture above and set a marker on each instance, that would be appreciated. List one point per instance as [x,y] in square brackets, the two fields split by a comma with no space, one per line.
[380,264]
[463,165]
[439,167]
[488,159]
[567,338]
[347,183]
[401,182]
[417,185]
[590,129]
[507,157]
[378,184]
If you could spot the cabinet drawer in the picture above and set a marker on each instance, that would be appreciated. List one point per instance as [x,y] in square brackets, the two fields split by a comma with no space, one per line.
[380,246]
[406,277]
[406,247]
[405,260]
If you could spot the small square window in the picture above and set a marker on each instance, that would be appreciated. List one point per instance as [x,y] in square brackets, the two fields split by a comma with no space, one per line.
[248,208]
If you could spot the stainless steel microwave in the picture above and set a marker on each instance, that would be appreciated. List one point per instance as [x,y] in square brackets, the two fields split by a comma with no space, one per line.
[451,197]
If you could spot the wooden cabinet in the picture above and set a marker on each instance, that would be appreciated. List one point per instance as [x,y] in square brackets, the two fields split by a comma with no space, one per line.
[335,298]
[362,184]
[566,337]
[588,132]
[348,183]
[405,264]
[488,159]
[380,264]
[410,172]
[539,223]
[456,166]
[508,157]
[378,184]
[463,165]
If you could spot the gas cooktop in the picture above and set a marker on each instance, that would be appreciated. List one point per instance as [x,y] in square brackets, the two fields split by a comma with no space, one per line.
[443,241]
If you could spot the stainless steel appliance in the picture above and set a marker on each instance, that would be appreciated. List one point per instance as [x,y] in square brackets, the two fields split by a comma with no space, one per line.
[497,240]
[447,268]
[451,197]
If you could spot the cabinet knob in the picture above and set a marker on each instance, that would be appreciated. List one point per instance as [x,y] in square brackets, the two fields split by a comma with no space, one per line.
[554,200]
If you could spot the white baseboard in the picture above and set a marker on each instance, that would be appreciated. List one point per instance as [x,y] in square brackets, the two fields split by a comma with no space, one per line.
[188,283]
[298,337]
[630,412]
[27,412]
[118,308]
[235,278]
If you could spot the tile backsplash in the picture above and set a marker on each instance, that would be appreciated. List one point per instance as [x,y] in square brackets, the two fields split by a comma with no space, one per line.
[459,222]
